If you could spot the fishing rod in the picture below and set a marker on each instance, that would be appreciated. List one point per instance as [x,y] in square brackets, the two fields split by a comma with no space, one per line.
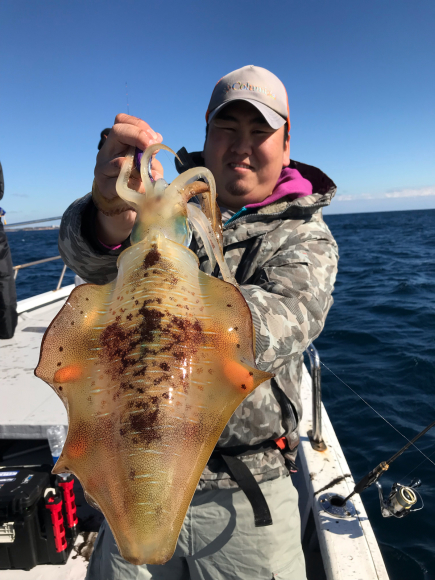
[402,497]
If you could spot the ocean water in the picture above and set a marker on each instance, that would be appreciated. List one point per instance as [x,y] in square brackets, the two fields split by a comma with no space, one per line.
[28,246]
[379,339]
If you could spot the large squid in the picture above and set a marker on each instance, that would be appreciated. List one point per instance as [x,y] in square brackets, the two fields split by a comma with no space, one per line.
[152,365]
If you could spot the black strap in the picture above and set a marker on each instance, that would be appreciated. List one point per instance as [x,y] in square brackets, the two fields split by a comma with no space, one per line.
[245,449]
[248,484]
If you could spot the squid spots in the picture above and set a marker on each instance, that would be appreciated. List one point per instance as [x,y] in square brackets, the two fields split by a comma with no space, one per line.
[143,423]
[238,375]
[126,386]
[152,258]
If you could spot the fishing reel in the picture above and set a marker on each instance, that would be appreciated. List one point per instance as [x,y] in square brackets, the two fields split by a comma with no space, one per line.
[401,499]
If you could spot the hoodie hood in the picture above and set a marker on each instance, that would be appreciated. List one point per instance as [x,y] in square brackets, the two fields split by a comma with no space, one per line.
[290,184]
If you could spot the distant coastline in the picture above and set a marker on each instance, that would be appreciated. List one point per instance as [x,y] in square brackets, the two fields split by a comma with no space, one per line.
[8,231]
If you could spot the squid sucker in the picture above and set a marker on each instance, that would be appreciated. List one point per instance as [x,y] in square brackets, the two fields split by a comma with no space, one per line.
[151,366]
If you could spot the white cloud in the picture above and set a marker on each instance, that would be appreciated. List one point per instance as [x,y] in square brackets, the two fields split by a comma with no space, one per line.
[417,192]
[359,197]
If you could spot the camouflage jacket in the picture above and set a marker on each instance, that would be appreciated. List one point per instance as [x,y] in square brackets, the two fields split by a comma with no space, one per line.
[285,260]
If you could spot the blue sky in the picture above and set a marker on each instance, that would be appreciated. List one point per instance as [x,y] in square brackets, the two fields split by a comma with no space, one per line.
[360,78]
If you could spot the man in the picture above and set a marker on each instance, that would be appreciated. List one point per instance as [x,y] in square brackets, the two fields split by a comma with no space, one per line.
[285,260]
[8,295]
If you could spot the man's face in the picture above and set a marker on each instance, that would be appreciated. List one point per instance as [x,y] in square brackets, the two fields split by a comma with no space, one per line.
[244,154]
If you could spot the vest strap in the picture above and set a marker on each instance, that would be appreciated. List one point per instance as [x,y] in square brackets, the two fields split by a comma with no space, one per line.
[248,484]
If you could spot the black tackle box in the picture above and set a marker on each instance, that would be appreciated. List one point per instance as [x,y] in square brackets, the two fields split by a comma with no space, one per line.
[33,526]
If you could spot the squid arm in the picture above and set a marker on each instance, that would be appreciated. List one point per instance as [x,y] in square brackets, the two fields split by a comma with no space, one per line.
[211,244]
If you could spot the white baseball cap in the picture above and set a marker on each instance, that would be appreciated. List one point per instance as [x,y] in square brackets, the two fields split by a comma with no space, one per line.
[259,87]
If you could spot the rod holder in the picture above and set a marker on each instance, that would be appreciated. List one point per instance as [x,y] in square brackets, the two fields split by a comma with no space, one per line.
[315,435]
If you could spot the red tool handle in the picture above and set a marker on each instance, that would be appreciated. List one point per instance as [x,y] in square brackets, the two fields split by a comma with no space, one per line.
[69,501]
[54,505]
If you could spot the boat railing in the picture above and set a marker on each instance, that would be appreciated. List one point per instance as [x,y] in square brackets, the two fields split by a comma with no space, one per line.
[9,227]
[315,435]
[21,266]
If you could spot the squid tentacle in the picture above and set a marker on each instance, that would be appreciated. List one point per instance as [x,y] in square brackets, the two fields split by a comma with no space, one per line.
[145,164]
[207,198]
[211,244]
[132,197]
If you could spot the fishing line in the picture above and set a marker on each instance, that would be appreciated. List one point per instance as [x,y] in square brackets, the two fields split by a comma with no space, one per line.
[412,470]
[377,413]
[170,159]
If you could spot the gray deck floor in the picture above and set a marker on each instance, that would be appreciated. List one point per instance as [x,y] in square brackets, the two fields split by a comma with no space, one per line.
[27,405]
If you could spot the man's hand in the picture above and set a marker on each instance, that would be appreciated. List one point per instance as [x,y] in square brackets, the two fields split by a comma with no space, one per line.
[126,132]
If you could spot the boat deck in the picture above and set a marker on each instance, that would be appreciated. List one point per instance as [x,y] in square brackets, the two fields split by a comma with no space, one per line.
[335,549]
[28,405]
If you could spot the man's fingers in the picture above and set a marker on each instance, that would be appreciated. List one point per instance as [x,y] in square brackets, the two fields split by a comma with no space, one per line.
[128,131]
[140,124]
[122,118]
[136,184]
[107,186]
[135,173]
[111,168]
[123,136]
